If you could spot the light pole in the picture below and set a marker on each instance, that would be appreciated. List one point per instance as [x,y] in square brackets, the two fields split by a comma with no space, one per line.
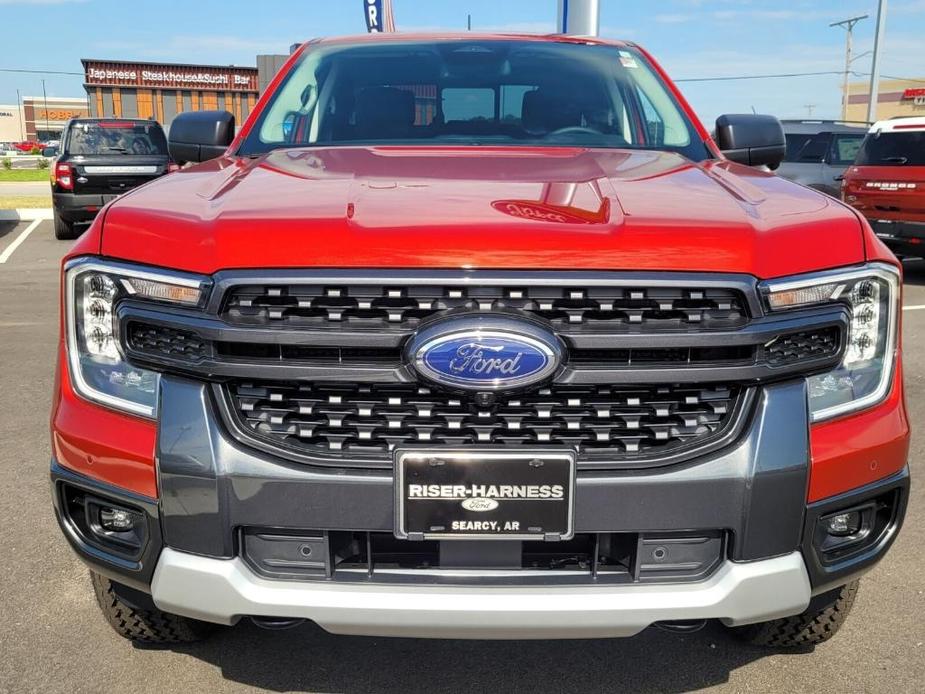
[875,63]
[848,26]
[579,17]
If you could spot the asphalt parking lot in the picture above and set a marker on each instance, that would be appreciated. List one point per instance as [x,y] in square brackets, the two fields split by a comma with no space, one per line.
[52,637]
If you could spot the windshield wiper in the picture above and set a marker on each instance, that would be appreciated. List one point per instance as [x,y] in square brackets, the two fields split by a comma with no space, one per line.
[897,160]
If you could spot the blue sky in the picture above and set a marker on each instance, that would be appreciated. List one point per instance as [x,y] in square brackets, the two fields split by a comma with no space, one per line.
[691,38]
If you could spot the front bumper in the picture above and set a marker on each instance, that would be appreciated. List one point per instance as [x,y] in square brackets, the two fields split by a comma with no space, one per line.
[213,489]
[218,590]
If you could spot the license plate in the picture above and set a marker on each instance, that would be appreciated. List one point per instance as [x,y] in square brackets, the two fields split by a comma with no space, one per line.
[484,495]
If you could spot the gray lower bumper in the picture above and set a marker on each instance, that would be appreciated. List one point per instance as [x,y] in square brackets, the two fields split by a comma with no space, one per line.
[211,484]
[223,590]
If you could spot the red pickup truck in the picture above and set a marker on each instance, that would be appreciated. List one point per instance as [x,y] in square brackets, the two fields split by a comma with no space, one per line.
[478,336]
[887,184]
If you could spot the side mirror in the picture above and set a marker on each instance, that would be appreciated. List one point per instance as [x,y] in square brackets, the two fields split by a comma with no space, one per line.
[200,135]
[289,125]
[50,152]
[751,139]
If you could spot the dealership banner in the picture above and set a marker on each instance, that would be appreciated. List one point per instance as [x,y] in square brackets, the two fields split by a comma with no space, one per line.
[378,15]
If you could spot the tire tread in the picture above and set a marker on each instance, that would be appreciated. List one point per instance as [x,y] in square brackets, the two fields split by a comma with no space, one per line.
[146,626]
[809,628]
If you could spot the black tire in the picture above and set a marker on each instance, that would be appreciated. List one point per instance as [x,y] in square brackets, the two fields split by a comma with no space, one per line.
[820,622]
[64,230]
[145,625]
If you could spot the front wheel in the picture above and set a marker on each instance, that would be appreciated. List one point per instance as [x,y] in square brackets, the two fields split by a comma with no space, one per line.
[144,624]
[820,622]
[64,230]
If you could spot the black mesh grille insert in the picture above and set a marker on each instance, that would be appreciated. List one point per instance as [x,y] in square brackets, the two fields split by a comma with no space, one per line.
[405,306]
[371,420]
[167,342]
[810,344]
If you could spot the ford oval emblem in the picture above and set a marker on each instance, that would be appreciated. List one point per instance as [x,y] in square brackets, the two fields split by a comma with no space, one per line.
[485,353]
[479,504]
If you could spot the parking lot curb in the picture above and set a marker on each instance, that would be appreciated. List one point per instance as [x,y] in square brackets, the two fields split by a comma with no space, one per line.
[25,214]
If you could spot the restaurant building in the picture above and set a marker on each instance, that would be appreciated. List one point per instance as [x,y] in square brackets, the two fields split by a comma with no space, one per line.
[162,90]
[896,98]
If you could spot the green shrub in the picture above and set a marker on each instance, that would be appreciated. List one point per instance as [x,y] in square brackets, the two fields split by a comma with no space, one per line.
[35,150]
[43,163]
[7,163]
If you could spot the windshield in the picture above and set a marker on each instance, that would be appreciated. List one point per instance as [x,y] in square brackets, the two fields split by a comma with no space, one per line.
[116,137]
[485,92]
[893,149]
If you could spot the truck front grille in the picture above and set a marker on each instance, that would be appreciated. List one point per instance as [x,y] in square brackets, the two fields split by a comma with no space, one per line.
[405,306]
[372,420]
[312,365]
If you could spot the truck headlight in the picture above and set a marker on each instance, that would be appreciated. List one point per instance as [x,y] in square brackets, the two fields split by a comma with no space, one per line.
[93,289]
[872,295]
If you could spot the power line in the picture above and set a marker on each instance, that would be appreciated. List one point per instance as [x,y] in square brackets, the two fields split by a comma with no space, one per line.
[760,77]
[792,74]
[729,78]
[891,77]
[41,72]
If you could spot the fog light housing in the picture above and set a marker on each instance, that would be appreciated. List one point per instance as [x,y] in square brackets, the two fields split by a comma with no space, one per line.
[105,523]
[846,530]
[843,524]
[116,519]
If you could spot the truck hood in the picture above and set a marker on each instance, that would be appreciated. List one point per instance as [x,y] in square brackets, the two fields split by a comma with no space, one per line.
[466,207]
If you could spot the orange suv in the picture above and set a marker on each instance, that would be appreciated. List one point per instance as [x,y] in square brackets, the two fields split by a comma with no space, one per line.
[887,183]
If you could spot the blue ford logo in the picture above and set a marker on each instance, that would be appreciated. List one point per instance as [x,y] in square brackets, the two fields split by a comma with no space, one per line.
[485,353]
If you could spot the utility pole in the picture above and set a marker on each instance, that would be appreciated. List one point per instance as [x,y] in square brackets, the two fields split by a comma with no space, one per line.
[45,99]
[848,26]
[809,109]
[22,122]
[875,63]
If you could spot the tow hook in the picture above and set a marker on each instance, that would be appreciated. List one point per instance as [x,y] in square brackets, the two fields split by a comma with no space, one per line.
[276,623]
[684,627]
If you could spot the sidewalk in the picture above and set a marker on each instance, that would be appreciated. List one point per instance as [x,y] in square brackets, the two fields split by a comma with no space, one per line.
[24,195]
[26,188]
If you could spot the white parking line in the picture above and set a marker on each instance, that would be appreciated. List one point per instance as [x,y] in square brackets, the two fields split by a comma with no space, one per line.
[17,242]
[920,307]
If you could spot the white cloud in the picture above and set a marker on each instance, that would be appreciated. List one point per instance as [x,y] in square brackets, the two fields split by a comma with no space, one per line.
[785,97]
[913,7]
[183,48]
[734,10]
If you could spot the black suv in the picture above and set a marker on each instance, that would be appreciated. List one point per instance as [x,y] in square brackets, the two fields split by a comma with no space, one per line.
[819,152]
[101,158]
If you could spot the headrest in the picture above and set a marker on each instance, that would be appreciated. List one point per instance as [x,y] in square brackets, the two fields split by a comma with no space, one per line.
[546,110]
[385,109]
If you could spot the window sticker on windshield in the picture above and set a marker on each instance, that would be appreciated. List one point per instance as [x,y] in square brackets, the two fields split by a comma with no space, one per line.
[627,60]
